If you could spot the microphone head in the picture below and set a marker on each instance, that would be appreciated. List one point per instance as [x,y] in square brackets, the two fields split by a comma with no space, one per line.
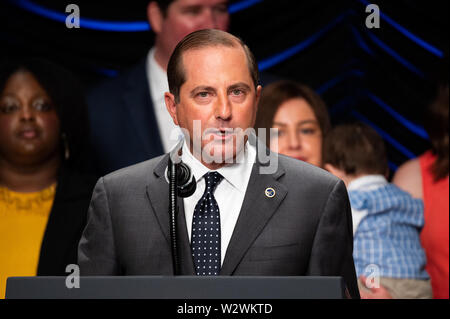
[183,174]
[186,181]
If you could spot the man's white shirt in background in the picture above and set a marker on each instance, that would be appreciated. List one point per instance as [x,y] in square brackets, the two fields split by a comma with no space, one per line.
[157,79]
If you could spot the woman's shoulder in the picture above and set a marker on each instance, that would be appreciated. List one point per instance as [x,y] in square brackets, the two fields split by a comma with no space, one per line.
[409,178]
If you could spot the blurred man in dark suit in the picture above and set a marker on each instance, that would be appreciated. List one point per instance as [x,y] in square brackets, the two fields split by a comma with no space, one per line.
[128,116]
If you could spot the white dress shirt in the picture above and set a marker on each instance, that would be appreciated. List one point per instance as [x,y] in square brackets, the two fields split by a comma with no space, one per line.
[365,183]
[229,194]
[157,79]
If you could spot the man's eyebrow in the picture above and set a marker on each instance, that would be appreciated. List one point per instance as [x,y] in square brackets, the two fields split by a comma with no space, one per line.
[223,3]
[240,85]
[201,88]
[201,6]
[192,6]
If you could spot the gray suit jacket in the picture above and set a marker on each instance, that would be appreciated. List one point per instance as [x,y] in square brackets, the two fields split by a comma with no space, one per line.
[305,229]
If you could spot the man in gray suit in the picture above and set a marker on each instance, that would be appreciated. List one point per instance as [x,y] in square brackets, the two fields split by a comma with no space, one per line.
[244,217]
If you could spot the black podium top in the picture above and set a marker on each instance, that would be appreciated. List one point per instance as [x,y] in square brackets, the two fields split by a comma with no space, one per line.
[156,287]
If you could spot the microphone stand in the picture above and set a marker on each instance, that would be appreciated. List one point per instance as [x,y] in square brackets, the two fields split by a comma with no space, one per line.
[181,183]
[173,211]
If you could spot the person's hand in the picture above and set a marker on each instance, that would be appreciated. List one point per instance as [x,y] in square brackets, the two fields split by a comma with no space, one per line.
[374,293]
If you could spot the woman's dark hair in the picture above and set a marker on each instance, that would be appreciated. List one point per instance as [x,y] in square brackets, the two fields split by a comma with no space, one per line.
[67,96]
[277,93]
[436,124]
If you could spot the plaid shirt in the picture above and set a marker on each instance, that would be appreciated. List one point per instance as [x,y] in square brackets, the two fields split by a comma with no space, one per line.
[388,235]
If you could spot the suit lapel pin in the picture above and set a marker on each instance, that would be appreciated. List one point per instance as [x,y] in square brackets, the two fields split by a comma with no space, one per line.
[270,192]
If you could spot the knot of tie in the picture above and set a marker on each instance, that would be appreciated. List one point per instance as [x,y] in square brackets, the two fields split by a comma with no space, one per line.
[212,179]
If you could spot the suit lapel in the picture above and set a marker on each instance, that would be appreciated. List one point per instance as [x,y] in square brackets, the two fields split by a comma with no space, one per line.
[139,105]
[158,194]
[256,211]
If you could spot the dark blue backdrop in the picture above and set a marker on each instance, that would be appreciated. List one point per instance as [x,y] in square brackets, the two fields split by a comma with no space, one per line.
[385,77]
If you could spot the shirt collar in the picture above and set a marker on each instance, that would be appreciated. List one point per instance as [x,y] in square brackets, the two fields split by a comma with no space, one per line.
[237,174]
[368,181]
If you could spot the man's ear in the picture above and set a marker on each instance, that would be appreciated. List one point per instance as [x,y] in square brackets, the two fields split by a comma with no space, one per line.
[171,106]
[258,94]
[155,16]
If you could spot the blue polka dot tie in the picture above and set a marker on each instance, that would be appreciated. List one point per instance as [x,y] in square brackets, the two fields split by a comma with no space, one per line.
[205,241]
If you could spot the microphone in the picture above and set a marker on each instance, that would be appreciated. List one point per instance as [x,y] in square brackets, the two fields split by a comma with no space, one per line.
[181,183]
[185,180]
[186,183]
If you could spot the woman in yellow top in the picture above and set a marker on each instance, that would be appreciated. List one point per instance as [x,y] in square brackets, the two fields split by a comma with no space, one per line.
[44,185]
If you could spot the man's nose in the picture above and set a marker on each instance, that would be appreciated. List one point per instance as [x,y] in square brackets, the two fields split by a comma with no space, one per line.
[223,108]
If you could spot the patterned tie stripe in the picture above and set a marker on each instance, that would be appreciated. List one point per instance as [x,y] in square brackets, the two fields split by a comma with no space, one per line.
[205,243]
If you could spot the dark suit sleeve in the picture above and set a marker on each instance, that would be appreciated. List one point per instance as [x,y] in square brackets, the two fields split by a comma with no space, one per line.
[96,251]
[332,250]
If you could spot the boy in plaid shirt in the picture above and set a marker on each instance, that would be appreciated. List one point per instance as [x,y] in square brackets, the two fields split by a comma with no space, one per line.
[386,220]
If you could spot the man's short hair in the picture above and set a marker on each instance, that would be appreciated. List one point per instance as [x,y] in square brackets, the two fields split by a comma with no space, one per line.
[202,39]
[356,149]
[164,5]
